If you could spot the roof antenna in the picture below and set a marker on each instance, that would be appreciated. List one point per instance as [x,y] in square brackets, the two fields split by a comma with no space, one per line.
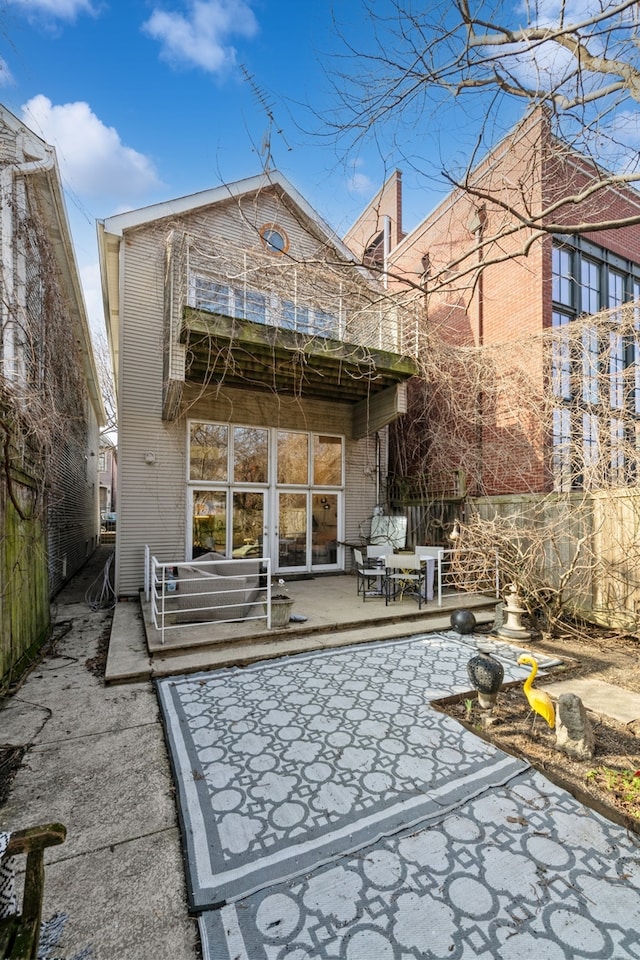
[267,106]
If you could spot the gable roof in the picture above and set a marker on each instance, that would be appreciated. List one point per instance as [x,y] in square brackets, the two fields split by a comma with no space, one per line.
[118,223]
[35,159]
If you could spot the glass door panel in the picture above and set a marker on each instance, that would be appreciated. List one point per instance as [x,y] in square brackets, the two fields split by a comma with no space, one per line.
[292,530]
[324,528]
[208,451]
[209,522]
[248,523]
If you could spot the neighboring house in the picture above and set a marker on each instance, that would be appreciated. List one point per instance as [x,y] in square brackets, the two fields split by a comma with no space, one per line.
[480,291]
[256,369]
[50,404]
[108,476]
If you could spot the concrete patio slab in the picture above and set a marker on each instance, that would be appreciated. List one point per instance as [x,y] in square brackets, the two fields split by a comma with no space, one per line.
[106,788]
[521,870]
[124,901]
[98,710]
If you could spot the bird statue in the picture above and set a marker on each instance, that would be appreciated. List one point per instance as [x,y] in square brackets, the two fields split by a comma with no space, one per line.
[539,701]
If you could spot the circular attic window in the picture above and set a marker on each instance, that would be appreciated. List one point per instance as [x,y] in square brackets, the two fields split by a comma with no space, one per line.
[274,238]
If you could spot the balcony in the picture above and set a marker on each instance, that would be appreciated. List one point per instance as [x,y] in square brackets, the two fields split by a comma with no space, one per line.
[303,330]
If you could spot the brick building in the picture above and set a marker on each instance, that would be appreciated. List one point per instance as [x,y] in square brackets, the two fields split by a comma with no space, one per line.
[499,263]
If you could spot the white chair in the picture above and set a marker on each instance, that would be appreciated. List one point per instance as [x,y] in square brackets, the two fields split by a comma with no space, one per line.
[370,577]
[437,553]
[376,550]
[404,574]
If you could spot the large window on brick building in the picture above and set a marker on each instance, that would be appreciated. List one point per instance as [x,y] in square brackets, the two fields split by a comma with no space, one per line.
[595,376]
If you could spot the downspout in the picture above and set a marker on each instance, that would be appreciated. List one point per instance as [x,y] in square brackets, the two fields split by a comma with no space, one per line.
[386,248]
[482,220]
[9,173]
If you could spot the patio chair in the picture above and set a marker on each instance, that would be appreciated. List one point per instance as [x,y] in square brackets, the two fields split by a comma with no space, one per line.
[404,574]
[376,550]
[437,554]
[370,577]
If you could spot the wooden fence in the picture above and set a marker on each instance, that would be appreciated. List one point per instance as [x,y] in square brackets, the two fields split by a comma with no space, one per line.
[24,580]
[589,544]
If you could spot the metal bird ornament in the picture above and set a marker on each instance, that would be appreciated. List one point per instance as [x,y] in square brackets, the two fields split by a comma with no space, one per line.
[539,701]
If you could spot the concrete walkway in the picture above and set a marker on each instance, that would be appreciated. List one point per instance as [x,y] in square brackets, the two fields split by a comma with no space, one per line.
[96,760]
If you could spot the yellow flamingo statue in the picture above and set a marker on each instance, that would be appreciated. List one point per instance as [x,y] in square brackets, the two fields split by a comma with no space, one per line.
[539,701]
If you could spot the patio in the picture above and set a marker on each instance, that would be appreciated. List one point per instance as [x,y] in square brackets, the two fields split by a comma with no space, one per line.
[335,616]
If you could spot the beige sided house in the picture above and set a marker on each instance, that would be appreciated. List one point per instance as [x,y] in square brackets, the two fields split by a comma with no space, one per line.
[257,367]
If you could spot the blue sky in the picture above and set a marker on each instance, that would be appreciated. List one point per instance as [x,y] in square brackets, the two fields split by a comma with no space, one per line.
[145,101]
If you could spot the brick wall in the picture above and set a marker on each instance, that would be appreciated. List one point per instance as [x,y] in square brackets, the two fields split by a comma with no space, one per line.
[489,283]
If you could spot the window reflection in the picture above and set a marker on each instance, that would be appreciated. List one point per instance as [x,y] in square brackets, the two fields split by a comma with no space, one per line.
[208,451]
[292,523]
[293,457]
[327,461]
[248,522]
[324,523]
[250,455]
[209,521]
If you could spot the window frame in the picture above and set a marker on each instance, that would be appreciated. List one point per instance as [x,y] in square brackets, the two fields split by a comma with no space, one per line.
[587,279]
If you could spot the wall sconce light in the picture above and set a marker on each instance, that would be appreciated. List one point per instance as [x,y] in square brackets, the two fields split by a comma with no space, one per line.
[149,457]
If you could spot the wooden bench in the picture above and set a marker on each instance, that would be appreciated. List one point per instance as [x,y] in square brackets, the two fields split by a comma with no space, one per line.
[20,933]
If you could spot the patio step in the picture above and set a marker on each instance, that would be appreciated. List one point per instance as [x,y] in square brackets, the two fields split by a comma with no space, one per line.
[131,658]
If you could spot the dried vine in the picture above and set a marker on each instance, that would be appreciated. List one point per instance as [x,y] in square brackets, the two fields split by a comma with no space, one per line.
[546,433]
[42,403]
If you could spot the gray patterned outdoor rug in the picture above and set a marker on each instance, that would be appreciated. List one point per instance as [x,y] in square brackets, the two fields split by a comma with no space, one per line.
[286,765]
[523,872]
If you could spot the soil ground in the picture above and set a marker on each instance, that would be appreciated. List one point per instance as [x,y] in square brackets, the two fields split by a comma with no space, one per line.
[610,782]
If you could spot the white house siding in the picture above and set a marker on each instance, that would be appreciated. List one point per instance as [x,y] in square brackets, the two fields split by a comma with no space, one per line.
[41,288]
[240,220]
[152,495]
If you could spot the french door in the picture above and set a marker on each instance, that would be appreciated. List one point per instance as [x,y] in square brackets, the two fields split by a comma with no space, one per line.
[261,492]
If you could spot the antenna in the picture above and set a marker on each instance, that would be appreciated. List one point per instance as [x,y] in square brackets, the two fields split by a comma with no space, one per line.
[267,106]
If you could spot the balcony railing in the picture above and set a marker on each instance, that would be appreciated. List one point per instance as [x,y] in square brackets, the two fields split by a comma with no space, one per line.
[319,299]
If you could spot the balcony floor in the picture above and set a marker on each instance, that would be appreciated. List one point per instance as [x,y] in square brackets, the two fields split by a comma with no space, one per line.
[336,616]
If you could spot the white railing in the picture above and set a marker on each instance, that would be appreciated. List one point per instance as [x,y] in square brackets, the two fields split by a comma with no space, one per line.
[191,593]
[469,570]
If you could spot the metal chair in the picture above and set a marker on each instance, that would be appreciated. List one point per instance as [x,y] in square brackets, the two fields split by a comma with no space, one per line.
[370,577]
[404,573]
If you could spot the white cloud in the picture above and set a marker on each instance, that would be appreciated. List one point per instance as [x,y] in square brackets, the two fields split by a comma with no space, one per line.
[201,37]
[6,77]
[548,12]
[59,9]
[360,183]
[93,160]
